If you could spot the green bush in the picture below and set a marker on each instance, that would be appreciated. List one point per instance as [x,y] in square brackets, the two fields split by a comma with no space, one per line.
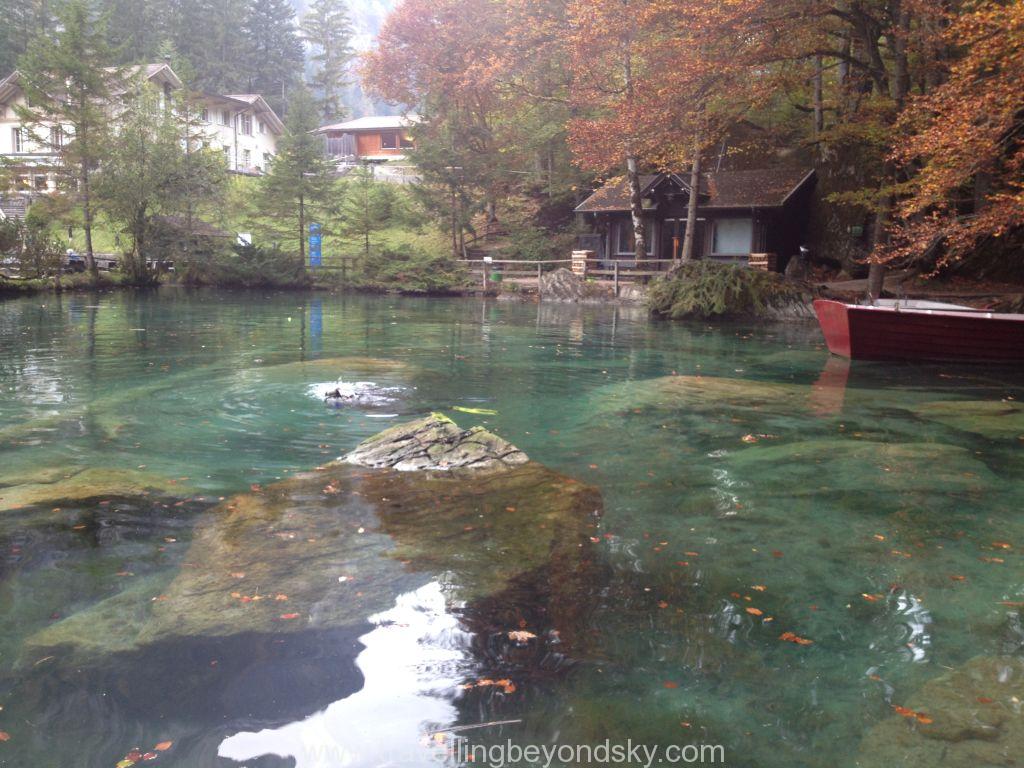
[703,289]
[409,271]
[530,243]
[249,266]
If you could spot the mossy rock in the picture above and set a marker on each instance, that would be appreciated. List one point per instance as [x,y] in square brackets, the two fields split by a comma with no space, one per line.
[968,718]
[851,464]
[329,548]
[435,442]
[95,483]
[996,419]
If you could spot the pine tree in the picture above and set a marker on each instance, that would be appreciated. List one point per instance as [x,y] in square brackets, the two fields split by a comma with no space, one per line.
[274,55]
[208,34]
[68,82]
[365,206]
[328,30]
[140,28]
[20,22]
[298,189]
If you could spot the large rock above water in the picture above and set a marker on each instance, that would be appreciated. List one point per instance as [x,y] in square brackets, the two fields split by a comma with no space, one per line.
[328,548]
[436,443]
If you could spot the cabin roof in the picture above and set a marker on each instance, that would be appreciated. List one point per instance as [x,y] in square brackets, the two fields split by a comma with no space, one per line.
[765,188]
[373,123]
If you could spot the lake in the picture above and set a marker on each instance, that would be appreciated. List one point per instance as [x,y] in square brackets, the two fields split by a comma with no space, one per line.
[802,562]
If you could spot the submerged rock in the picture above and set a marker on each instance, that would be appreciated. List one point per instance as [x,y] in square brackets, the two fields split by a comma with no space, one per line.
[331,368]
[86,484]
[997,419]
[436,442]
[966,718]
[328,548]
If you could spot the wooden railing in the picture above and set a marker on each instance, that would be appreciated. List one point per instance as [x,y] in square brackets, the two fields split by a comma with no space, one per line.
[616,270]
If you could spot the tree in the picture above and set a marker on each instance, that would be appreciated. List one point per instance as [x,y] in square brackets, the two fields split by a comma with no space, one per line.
[68,83]
[149,171]
[328,30]
[23,20]
[963,144]
[365,206]
[274,56]
[298,189]
[208,34]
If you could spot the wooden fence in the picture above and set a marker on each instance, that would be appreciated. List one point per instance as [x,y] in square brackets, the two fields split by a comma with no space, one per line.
[616,270]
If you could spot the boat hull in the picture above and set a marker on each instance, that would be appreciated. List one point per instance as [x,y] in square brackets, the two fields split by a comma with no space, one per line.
[884,333]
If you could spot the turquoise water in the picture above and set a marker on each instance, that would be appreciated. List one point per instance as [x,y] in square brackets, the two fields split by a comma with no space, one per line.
[751,485]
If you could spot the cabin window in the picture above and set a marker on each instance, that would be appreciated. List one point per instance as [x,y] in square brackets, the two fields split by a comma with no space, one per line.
[39,182]
[225,117]
[733,237]
[247,125]
[625,243]
[263,127]
[389,140]
[17,140]
[204,115]
[407,142]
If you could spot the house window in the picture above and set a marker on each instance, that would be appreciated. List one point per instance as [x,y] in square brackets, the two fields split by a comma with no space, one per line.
[204,115]
[246,158]
[56,137]
[733,237]
[225,118]
[263,127]
[17,140]
[389,140]
[407,142]
[266,159]
[39,182]
[625,243]
[227,155]
[247,125]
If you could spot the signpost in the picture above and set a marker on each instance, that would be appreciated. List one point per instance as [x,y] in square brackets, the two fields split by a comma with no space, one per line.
[315,243]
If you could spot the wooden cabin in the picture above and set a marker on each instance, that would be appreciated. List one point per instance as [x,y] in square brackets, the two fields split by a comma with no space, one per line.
[739,213]
[370,139]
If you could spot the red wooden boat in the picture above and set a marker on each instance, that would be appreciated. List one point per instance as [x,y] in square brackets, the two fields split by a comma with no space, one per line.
[920,330]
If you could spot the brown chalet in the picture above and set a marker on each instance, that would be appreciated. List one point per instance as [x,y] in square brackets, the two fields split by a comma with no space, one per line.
[370,139]
[739,213]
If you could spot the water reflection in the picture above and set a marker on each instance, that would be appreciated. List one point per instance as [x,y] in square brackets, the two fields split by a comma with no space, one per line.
[412,663]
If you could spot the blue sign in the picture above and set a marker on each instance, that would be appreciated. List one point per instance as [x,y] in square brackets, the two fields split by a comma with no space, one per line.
[316,326]
[315,243]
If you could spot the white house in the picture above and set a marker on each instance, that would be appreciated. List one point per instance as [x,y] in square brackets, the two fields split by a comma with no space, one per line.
[242,126]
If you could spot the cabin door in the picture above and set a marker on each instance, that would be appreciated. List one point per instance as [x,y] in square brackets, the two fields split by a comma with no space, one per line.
[672,232]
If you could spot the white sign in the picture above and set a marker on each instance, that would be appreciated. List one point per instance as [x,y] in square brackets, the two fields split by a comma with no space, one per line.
[245,238]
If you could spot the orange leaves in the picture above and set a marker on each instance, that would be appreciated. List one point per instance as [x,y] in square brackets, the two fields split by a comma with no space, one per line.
[872,598]
[289,616]
[920,717]
[754,611]
[136,755]
[505,685]
[759,587]
[521,636]
[670,684]
[791,637]
[5,736]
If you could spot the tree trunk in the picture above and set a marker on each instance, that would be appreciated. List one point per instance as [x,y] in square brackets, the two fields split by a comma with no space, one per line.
[876,270]
[90,259]
[691,207]
[302,230]
[819,107]
[636,210]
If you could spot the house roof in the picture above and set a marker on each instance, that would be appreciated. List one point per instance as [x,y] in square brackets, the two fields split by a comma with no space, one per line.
[765,188]
[260,107]
[373,123]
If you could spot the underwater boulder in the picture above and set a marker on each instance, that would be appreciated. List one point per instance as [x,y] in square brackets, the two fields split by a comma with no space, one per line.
[94,483]
[996,419]
[328,548]
[965,718]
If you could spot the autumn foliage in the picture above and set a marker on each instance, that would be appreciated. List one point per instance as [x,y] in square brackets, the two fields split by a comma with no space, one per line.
[919,103]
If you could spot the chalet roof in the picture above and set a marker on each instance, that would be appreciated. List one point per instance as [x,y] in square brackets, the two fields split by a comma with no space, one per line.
[259,106]
[373,123]
[765,188]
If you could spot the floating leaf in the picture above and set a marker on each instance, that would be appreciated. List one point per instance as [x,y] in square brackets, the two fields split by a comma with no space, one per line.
[791,637]
[5,736]
[521,636]
[754,611]
[289,616]
[477,411]
[670,684]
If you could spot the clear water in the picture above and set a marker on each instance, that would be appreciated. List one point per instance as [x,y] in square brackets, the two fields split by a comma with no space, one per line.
[875,511]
